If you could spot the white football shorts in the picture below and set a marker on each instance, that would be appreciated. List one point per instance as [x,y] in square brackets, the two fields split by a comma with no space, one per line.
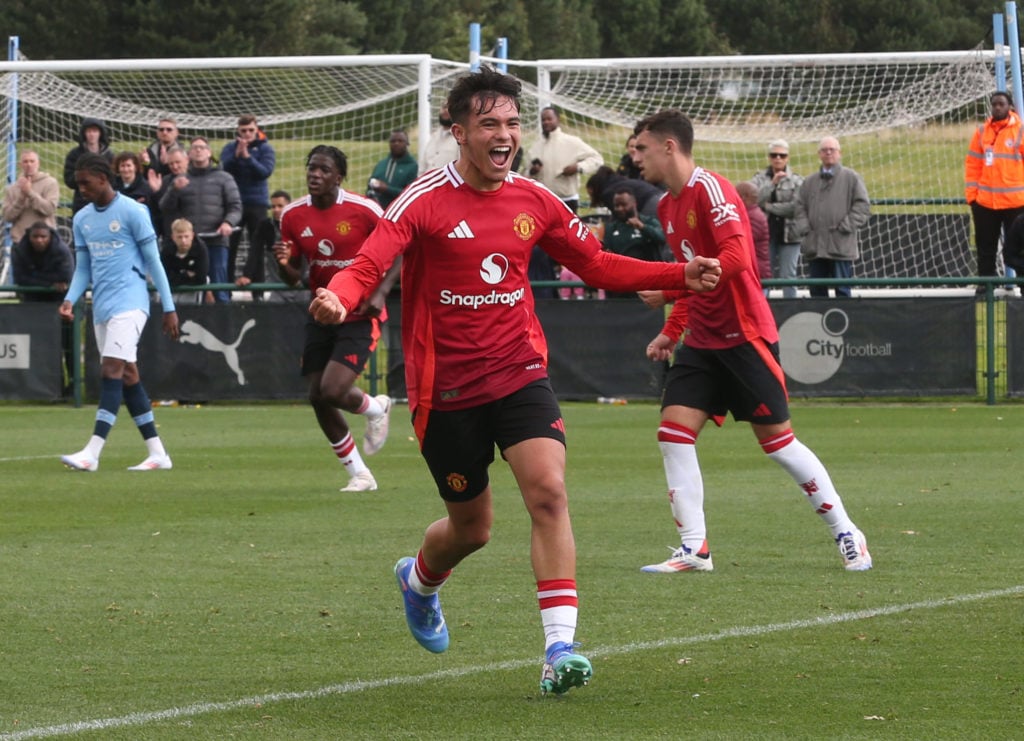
[119,336]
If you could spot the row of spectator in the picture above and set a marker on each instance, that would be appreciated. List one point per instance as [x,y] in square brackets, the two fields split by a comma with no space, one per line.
[200,210]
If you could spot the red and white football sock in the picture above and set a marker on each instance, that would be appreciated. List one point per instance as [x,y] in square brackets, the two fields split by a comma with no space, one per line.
[559,606]
[348,454]
[685,485]
[370,407]
[810,475]
[424,581]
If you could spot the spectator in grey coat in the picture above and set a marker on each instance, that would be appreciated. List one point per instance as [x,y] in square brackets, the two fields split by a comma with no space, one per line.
[208,197]
[831,205]
[777,186]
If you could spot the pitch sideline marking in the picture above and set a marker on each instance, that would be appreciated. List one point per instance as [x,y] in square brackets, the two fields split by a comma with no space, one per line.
[13,458]
[202,708]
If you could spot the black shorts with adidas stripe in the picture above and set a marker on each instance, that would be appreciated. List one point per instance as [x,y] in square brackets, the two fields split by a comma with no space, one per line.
[746,380]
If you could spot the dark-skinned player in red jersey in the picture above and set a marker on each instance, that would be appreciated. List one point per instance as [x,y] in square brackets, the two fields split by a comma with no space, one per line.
[326,228]
[729,359]
[476,356]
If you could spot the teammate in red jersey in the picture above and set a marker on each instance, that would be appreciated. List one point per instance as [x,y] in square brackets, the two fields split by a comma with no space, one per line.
[729,359]
[476,356]
[326,229]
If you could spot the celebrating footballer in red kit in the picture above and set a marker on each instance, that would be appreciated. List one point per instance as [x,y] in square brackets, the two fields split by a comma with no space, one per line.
[476,355]
[326,228]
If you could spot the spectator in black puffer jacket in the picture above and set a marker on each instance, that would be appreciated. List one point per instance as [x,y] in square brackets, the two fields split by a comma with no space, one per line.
[92,137]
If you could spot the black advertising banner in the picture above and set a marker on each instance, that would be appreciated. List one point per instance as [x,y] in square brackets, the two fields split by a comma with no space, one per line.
[30,352]
[1015,348]
[226,351]
[878,347]
[596,348]
[829,347]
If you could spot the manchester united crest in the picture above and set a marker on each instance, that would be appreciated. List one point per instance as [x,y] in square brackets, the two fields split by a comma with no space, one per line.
[456,482]
[343,227]
[524,226]
[691,219]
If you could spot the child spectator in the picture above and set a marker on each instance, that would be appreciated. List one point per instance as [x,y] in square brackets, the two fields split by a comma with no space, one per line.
[186,261]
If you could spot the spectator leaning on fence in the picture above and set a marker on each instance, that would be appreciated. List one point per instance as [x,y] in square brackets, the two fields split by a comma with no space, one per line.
[42,259]
[994,179]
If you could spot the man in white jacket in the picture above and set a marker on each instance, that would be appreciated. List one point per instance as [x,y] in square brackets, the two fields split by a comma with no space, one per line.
[558,159]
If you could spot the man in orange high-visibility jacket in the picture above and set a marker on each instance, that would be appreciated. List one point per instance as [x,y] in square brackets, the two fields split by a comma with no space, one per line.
[994,178]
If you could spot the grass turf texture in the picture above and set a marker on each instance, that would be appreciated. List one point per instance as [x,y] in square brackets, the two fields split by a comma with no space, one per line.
[243,575]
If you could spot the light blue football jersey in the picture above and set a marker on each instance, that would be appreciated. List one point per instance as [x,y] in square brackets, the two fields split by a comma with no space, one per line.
[116,247]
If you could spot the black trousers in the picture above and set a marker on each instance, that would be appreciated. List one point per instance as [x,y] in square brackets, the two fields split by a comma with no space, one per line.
[989,226]
[252,215]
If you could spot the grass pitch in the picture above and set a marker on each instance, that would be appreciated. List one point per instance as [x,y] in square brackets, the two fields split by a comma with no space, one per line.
[242,596]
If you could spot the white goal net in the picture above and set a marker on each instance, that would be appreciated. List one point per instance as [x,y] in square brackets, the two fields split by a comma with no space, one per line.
[351,102]
[904,120]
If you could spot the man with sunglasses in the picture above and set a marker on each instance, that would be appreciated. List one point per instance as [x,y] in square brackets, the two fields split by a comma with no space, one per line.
[777,186]
[154,157]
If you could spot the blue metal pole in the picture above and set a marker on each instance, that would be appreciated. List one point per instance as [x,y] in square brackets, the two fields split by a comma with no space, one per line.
[999,40]
[1013,41]
[474,47]
[12,146]
[502,53]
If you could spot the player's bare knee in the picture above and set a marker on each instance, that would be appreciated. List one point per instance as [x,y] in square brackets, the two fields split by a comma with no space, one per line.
[546,503]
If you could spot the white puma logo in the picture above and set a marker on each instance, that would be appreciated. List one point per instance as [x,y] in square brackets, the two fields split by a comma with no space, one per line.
[195,334]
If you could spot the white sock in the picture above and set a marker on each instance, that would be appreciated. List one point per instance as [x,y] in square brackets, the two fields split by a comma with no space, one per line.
[95,446]
[348,454]
[155,447]
[685,485]
[810,475]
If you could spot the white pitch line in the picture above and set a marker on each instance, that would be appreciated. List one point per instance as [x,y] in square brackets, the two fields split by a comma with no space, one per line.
[203,708]
[11,459]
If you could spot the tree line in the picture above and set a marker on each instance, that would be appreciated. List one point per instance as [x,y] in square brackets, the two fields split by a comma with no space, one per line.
[125,29]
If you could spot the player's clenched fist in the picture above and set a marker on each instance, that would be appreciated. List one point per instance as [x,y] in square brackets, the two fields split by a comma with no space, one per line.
[702,273]
[326,308]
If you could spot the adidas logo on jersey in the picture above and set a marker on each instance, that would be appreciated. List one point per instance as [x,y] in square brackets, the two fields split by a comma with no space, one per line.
[670,230]
[307,232]
[461,231]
